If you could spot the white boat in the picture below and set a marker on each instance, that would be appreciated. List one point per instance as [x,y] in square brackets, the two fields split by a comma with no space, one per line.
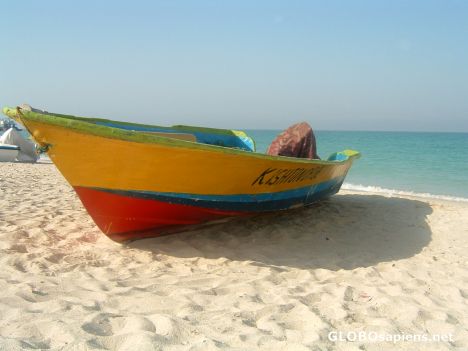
[8,153]
[6,124]
[27,149]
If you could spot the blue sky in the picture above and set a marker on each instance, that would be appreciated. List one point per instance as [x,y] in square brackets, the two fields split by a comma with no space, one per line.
[341,65]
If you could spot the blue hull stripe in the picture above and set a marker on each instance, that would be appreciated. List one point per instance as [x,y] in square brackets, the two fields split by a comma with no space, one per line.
[9,147]
[244,202]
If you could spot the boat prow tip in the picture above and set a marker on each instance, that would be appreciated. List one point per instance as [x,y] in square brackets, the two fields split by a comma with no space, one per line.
[352,153]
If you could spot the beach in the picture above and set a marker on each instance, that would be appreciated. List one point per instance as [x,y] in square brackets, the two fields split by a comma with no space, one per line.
[358,262]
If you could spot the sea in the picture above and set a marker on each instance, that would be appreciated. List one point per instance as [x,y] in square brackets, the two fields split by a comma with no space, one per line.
[399,163]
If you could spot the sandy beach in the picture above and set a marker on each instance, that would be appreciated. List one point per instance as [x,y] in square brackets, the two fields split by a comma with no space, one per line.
[359,262]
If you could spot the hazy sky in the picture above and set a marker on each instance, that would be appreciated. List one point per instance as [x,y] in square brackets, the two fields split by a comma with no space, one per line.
[341,65]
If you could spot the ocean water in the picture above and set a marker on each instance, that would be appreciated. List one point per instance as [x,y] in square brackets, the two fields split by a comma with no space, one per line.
[428,164]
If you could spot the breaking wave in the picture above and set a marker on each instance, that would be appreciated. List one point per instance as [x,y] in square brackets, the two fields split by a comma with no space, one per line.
[394,192]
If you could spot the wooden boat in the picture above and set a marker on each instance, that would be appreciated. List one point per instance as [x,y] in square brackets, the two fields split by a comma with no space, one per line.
[139,181]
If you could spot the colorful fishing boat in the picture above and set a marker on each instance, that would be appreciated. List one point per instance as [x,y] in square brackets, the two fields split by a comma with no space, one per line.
[139,180]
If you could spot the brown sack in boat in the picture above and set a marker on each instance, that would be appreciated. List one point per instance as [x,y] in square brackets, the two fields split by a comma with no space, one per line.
[296,141]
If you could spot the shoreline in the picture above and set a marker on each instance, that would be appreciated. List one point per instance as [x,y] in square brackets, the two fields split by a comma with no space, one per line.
[359,261]
[365,189]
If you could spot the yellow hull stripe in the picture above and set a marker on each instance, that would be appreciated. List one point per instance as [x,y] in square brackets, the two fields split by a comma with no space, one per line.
[88,160]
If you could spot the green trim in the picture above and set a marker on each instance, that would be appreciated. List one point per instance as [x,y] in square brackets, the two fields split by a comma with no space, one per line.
[175,127]
[87,126]
[351,153]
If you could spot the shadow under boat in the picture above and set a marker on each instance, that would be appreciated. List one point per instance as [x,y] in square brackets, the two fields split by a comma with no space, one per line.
[343,232]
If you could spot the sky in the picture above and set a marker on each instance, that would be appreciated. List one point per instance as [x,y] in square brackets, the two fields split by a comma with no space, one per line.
[340,65]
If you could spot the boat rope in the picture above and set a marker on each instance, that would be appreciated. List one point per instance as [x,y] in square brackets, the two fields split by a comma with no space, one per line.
[42,148]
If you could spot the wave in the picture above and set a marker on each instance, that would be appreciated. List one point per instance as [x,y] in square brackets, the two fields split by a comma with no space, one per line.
[395,192]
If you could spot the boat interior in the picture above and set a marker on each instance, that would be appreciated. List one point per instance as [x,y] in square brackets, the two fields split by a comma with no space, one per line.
[211,136]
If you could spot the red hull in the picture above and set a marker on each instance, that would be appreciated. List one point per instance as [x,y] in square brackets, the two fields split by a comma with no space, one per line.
[125,218]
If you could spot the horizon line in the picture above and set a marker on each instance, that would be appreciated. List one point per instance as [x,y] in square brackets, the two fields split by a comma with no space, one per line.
[368,130]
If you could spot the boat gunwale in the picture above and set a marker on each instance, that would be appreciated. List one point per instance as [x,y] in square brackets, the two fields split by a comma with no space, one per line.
[86,125]
[181,127]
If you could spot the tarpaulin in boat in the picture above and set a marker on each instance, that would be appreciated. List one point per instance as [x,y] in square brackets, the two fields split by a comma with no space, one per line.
[296,141]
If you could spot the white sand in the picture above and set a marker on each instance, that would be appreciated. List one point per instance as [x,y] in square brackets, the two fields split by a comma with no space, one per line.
[358,262]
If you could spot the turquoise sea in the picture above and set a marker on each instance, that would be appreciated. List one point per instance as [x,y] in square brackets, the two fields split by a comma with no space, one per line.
[433,164]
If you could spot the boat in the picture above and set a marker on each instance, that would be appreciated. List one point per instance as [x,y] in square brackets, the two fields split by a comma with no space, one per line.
[139,181]
[26,148]
[6,124]
[8,153]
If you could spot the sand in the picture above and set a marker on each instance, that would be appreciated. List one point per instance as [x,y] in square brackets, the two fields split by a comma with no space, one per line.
[357,262]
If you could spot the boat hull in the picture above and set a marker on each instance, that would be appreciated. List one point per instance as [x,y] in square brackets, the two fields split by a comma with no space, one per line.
[128,215]
[137,185]
[8,153]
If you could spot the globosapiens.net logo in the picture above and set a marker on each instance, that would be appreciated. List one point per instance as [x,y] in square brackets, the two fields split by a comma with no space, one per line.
[372,336]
